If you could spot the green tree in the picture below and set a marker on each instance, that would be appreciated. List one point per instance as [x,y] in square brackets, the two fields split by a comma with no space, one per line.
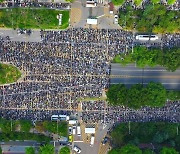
[30,150]
[135,95]
[170,2]
[47,149]
[137,2]
[0,150]
[130,149]
[148,151]
[122,95]
[114,151]
[112,94]
[64,150]
[118,2]
[155,1]
[166,150]
[156,94]
[171,59]
[26,125]
[173,95]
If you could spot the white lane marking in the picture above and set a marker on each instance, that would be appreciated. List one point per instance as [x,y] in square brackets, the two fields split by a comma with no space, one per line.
[77,141]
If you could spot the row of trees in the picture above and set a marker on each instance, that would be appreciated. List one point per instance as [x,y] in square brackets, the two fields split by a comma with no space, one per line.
[153,95]
[61,128]
[142,56]
[47,149]
[150,134]
[20,129]
[138,2]
[25,126]
[154,18]
[132,149]
[13,125]
[23,136]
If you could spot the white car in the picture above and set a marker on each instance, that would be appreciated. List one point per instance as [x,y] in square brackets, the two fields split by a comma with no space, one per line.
[77,149]
[115,19]
[74,130]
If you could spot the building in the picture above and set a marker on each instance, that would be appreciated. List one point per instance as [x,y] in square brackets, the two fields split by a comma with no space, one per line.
[90,130]
[111,8]
[91,3]
[92,21]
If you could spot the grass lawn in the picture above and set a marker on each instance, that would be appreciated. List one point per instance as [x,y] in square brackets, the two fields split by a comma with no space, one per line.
[8,74]
[118,2]
[137,2]
[124,60]
[171,2]
[33,18]
[155,1]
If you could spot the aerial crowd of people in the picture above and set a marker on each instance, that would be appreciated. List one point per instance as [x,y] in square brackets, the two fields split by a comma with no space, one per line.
[67,66]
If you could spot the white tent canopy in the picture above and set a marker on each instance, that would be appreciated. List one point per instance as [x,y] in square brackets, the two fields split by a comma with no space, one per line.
[92,21]
[90,130]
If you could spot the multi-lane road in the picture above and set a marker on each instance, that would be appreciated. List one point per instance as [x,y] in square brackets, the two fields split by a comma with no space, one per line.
[131,74]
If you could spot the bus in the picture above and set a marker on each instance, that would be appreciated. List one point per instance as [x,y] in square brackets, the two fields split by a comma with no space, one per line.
[146,37]
[78,130]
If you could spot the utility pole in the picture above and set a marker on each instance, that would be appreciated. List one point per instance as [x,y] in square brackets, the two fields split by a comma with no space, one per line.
[11,125]
[57,126]
[177,130]
[129,127]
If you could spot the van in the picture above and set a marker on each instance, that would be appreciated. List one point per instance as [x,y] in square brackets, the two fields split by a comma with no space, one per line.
[92,140]
[78,130]
[74,130]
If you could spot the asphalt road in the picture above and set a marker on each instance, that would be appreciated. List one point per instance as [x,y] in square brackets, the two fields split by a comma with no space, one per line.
[34,37]
[130,75]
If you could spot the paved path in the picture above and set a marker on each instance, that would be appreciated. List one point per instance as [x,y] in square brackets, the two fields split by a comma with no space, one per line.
[132,75]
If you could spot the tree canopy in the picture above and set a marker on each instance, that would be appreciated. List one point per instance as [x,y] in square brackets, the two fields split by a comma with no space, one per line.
[0,150]
[47,149]
[171,2]
[166,150]
[143,56]
[130,149]
[153,95]
[149,133]
[26,125]
[118,2]
[64,150]
[30,150]
[154,18]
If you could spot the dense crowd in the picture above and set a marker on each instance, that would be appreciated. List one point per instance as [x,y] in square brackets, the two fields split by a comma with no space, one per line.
[64,67]
[170,112]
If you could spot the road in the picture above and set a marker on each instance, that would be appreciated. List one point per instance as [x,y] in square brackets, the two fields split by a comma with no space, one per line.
[132,75]
[100,134]
[17,147]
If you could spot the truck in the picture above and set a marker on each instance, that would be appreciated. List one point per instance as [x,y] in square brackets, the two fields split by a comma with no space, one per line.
[78,130]
[92,140]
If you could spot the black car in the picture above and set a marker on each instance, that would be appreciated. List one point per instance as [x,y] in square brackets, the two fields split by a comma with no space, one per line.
[105,140]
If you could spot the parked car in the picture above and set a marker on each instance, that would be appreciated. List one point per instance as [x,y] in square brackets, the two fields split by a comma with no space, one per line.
[105,140]
[74,130]
[115,19]
[77,149]
[70,130]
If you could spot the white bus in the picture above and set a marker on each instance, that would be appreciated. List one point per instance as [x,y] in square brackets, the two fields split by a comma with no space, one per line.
[146,37]
[78,130]
[54,117]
